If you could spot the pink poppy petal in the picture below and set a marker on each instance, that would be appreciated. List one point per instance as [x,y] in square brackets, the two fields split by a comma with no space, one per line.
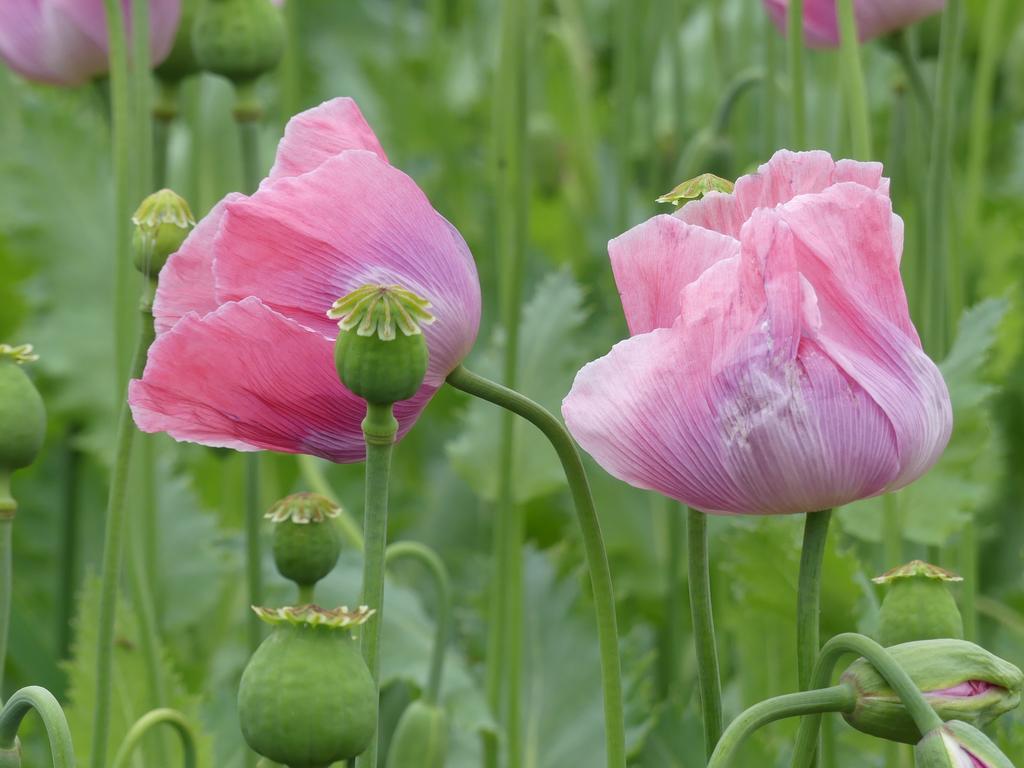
[318,134]
[186,281]
[22,40]
[874,17]
[302,242]
[248,378]
[652,263]
[88,17]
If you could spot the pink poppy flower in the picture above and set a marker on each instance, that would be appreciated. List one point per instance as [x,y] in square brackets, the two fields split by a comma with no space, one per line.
[773,367]
[244,354]
[64,42]
[874,17]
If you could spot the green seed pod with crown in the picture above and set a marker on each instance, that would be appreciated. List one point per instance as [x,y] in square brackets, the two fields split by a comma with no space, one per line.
[238,39]
[22,414]
[306,540]
[421,737]
[306,699]
[918,605]
[958,745]
[162,222]
[960,680]
[381,354]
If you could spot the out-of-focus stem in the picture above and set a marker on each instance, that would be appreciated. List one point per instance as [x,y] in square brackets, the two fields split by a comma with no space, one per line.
[797,88]
[853,81]
[150,720]
[701,612]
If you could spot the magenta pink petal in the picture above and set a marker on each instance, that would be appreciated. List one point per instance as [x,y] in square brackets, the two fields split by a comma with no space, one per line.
[22,40]
[300,243]
[248,378]
[874,17]
[655,260]
[318,134]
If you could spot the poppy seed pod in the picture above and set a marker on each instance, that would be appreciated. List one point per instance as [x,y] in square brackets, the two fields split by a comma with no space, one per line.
[22,413]
[421,737]
[181,61]
[918,605]
[306,540]
[238,39]
[162,222]
[958,745]
[959,679]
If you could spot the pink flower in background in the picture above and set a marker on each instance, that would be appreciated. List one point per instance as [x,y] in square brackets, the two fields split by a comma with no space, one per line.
[64,42]
[874,17]
[244,354]
[773,367]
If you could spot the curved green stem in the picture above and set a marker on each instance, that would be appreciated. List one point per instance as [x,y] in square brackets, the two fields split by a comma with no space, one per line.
[311,471]
[917,706]
[113,546]
[808,601]
[708,677]
[379,430]
[797,89]
[151,719]
[62,754]
[593,544]
[442,584]
[839,698]
[853,81]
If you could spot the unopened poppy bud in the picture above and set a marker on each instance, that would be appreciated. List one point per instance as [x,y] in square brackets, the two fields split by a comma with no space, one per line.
[306,539]
[238,39]
[958,745]
[306,698]
[381,354]
[22,414]
[696,188]
[960,680]
[918,605]
[162,223]
[421,737]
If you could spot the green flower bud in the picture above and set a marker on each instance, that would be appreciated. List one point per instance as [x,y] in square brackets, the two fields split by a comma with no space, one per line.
[239,39]
[381,354]
[960,680]
[162,223]
[306,698]
[958,745]
[22,414]
[918,605]
[696,188]
[420,739]
[306,540]
[181,61]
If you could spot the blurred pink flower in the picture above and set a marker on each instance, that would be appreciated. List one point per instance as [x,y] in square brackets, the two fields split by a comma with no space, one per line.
[773,367]
[244,354]
[64,42]
[874,17]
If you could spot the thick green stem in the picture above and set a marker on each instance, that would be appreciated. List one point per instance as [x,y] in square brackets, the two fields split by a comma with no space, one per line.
[113,546]
[839,698]
[593,544]
[379,430]
[8,509]
[311,471]
[151,719]
[797,89]
[62,754]
[840,645]
[853,81]
[708,676]
[307,594]
[442,584]
[808,601]
[253,547]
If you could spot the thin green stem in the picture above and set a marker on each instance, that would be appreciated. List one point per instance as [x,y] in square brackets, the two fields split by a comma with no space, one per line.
[593,544]
[853,81]
[165,111]
[67,569]
[702,614]
[379,430]
[62,753]
[313,474]
[1002,613]
[797,87]
[674,533]
[908,60]
[625,53]
[808,601]
[839,698]
[142,97]
[840,645]
[968,556]
[892,527]
[171,717]
[8,509]
[413,550]
[113,546]
[253,547]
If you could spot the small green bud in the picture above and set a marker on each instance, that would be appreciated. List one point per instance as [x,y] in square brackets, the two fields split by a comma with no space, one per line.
[960,680]
[22,413]
[307,698]
[420,739]
[696,188]
[238,39]
[162,223]
[306,540]
[958,745]
[381,354]
[181,61]
[918,605]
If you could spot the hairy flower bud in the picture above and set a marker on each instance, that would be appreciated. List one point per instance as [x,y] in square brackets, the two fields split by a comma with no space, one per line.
[306,540]
[959,679]
[918,605]
[162,222]
[381,354]
[239,39]
[421,738]
[958,745]
[22,414]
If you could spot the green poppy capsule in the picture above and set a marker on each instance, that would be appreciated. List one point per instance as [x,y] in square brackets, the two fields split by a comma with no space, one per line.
[421,738]
[918,605]
[306,540]
[22,413]
[238,39]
